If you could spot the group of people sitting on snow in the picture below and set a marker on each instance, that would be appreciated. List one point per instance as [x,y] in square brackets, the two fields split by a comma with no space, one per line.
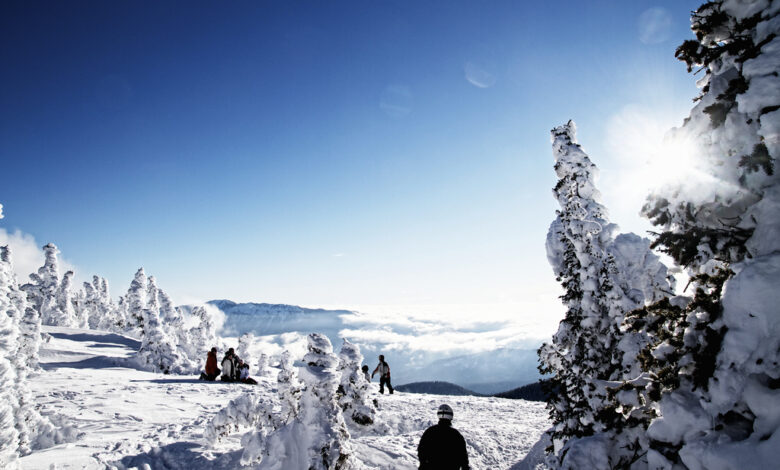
[234,369]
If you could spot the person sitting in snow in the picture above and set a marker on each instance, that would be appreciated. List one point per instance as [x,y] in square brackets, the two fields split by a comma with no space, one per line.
[229,366]
[212,371]
[243,374]
[384,375]
[441,446]
[365,372]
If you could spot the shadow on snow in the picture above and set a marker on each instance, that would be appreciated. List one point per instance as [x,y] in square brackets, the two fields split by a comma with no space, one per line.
[108,338]
[180,456]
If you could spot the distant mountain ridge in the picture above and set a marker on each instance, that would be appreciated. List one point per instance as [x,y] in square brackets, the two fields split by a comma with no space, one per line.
[437,388]
[530,392]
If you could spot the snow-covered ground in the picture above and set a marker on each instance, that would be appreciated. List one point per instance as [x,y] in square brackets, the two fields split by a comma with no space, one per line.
[131,418]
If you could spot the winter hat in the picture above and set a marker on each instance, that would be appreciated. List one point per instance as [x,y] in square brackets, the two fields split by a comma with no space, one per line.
[445,412]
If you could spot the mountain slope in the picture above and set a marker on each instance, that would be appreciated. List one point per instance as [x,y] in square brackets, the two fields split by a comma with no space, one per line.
[131,418]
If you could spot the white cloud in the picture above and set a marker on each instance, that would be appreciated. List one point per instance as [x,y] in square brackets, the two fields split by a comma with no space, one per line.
[27,255]
[478,75]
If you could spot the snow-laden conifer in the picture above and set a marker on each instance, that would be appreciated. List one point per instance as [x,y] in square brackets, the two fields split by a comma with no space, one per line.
[63,313]
[244,349]
[135,303]
[592,360]
[262,365]
[158,350]
[289,387]
[9,401]
[42,289]
[255,443]
[202,336]
[30,338]
[247,411]
[354,391]
[317,438]
[98,307]
[33,431]
[715,356]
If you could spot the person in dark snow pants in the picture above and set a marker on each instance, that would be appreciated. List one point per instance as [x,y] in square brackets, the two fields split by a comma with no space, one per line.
[441,446]
[211,371]
[384,375]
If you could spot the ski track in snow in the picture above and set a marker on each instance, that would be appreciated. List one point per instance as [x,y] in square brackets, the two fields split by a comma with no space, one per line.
[132,418]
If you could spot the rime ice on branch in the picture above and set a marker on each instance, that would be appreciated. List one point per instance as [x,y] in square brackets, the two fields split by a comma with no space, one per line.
[718,365]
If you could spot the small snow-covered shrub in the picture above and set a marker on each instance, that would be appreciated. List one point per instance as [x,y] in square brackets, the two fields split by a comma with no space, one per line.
[354,391]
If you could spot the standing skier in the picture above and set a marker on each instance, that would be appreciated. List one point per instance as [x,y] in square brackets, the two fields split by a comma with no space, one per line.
[441,446]
[384,375]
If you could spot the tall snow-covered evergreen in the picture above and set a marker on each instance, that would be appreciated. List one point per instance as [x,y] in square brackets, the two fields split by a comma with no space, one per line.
[354,391]
[202,336]
[592,360]
[32,430]
[289,387]
[716,357]
[42,290]
[63,313]
[98,307]
[158,349]
[134,303]
[9,401]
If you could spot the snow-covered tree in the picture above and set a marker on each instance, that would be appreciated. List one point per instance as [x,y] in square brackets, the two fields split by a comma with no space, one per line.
[202,336]
[289,387]
[135,303]
[244,349]
[262,364]
[592,360]
[42,290]
[158,350]
[317,438]
[9,402]
[98,307]
[354,390]
[30,338]
[247,411]
[716,356]
[33,431]
[63,313]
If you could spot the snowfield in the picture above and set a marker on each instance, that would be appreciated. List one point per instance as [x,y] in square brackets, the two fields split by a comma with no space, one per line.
[132,418]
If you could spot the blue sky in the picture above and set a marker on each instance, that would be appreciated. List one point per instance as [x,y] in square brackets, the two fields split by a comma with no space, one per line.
[325,153]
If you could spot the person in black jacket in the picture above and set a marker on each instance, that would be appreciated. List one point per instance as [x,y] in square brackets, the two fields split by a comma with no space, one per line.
[441,446]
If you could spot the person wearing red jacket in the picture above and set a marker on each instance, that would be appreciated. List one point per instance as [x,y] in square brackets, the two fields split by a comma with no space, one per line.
[212,371]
